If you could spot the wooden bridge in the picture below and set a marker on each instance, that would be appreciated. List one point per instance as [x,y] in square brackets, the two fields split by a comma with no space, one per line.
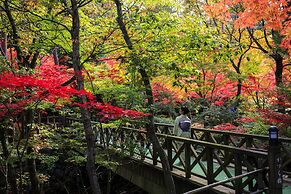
[215,161]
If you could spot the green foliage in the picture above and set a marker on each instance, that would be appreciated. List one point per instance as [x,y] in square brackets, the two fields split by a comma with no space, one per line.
[164,120]
[48,160]
[76,159]
[4,66]
[215,115]
[255,127]
[103,159]
[122,96]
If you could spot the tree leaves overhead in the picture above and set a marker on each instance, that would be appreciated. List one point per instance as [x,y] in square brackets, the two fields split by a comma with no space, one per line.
[189,42]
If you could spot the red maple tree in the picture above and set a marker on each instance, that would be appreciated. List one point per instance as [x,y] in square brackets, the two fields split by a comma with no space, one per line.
[20,91]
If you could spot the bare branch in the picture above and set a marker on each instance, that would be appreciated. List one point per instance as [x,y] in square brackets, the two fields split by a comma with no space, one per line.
[67,7]
[83,3]
[122,25]
[266,39]
[42,18]
[256,41]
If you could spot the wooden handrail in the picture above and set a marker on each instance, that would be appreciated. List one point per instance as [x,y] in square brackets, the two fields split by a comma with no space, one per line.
[209,186]
[204,143]
[214,152]
[262,137]
[203,130]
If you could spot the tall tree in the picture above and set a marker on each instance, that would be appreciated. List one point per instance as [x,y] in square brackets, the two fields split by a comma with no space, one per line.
[86,118]
[168,179]
[267,23]
[26,59]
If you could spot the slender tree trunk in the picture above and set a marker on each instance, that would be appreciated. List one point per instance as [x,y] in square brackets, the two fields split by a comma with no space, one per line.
[11,174]
[32,64]
[238,92]
[278,62]
[12,179]
[239,80]
[279,80]
[168,179]
[169,182]
[34,181]
[279,69]
[86,118]
[15,37]
[239,87]
[3,177]
[108,186]
[31,165]
[3,180]
[3,44]
[22,61]
[55,54]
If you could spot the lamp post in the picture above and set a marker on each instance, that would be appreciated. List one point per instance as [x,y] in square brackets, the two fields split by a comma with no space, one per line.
[275,162]
[273,136]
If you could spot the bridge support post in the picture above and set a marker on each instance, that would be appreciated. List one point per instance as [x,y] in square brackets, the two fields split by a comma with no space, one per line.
[169,152]
[209,155]
[275,162]
[187,160]
[238,171]
[260,175]
[155,155]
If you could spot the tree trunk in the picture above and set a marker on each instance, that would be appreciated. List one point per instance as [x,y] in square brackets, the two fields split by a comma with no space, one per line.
[3,44]
[15,37]
[236,66]
[169,182]
[3,178]
[34,181]
[168,179]
[12,179]
[279,80]
[22,61]
[238,93]
[108,186]
[86,119]
[239,87]
[11,174]
[279,69]
[55,54]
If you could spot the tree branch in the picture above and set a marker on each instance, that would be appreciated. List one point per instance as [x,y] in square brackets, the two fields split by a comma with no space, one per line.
[67,7]
[119,20]
[266,39]
[256,41]
[83,3]
[42,18]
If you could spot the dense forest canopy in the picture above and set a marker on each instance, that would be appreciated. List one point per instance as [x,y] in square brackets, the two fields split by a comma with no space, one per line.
[114,61]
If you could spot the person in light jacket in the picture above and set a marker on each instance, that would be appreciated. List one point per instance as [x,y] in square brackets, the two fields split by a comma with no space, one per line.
[182,128]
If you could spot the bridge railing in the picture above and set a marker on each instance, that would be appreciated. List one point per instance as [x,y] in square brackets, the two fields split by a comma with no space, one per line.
[194,157]
[213,160]
[239,140]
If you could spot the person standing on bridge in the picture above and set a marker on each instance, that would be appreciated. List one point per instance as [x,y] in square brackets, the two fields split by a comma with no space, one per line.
[182,128]
[182,125]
